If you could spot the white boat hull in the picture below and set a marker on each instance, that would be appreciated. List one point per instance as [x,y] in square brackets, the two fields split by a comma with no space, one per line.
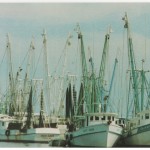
[138,136]
[38,135]
[101,135]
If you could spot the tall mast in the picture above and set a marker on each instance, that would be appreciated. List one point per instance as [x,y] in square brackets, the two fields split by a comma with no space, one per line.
[28,73]
[16,87]
[29,110]
[79,110]
[46,73]
[103,66]
[41,123]
[112,79]
[61,92]
[84,70]
[142,85]
[11,79]
[132,64]
[94,103]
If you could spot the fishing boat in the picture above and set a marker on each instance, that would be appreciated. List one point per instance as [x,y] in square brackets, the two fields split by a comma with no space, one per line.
[26,129]
[92,125]
[137,128]
[21,124]
[10,132]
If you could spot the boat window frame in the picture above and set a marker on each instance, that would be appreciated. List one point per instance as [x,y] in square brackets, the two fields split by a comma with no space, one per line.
[103,118]
[119,121]
[109,117]
[123,121]
[146,115]
[91,118]
[142,117]
[113,118]
[138,122]
[96,118]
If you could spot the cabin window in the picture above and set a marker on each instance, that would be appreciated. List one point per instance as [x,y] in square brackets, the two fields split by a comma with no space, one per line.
[119,121]
[123,121]
[138,122]
[116,122]
[113,118]
[109,117]
[2,123]
[91,118]
[103,118]
[96,118]
[146,116]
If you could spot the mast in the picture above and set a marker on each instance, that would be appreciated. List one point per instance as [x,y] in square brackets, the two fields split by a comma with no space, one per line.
[41,123]
[67,103]
[74,100]
[80,101]
[132,64]
[18,97]
[112,79]
[142,86]
[46,71]
[61,92]
[29,111]
[27,74]
[11,79]
[103,66]
[94,103]
[86,98]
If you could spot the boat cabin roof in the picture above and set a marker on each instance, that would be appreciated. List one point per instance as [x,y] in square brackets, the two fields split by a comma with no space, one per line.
[143,112]
[102,114]
[6,118]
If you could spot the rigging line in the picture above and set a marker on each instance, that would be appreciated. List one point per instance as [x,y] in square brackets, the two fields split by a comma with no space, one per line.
[3,58]
[60,57]
[58,61]
[126,94]
[145,38]
[24,58]
[128,91]
[77,56]
[37,63]
[147,85]
[122,59]
[93,42]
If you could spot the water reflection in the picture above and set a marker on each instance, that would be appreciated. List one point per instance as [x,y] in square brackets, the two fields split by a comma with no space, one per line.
[12,144]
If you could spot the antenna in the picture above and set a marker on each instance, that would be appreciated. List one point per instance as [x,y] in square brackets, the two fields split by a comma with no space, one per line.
[110,29]
[77,28]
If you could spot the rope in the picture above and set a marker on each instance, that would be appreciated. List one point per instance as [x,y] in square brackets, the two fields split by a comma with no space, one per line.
[24,58]
[37,62]
[3,58]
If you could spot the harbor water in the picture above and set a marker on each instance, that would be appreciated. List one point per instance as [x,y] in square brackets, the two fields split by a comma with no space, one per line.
[21,145]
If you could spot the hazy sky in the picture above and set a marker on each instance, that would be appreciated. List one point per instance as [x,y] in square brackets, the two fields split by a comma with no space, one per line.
[26,20]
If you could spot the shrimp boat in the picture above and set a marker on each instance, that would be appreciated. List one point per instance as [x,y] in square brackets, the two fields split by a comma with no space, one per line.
[10,132]
[93,125]
[30,128]
[21,124]
[137,128]
[100,130]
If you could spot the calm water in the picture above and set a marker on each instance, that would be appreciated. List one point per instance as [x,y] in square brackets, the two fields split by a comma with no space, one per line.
[13,145]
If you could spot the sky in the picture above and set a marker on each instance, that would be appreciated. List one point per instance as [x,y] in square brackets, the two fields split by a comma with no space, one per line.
[26,21]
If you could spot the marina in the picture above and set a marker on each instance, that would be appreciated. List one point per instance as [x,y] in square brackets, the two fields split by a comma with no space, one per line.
[74,82]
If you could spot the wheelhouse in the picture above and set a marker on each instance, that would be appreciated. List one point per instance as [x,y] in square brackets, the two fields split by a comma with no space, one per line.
[96,118]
